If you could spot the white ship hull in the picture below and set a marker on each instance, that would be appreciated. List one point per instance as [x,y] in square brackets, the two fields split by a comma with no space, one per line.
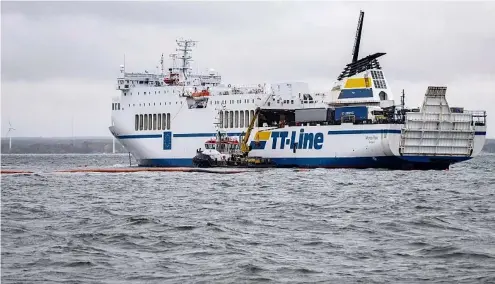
[343,146]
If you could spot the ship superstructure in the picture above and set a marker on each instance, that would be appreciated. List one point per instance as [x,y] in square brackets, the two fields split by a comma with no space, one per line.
[164,119]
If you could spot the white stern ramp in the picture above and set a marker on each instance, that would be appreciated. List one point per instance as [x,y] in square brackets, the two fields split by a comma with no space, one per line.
[441,134]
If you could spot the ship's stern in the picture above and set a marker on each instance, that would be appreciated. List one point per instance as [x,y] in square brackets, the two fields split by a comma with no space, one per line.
[438,136]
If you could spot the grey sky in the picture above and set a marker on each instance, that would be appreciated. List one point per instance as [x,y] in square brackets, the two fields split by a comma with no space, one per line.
[60,59]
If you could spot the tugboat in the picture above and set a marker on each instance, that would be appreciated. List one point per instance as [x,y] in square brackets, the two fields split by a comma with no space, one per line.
[219,151]
[225,151]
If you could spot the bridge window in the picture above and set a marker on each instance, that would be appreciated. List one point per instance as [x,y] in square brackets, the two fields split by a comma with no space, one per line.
[221,119]
[236,125]
[241,119]
[145,122]
[159,122]
[247,118]
[231,119]
[154,121]
[140,122]
[168,121]
[113,106]
[136,122]
[150,122]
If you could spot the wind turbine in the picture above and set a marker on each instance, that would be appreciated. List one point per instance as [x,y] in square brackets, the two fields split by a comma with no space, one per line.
[10,137]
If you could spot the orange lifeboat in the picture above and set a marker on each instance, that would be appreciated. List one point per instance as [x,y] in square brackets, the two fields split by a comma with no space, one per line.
[203,93]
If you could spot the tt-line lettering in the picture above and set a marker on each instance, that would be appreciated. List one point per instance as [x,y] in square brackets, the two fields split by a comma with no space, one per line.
[305,140]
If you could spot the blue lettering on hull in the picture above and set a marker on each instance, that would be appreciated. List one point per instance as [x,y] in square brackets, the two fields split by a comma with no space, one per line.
[303,140]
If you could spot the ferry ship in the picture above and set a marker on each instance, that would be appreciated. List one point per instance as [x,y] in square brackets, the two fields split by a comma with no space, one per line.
[163,119]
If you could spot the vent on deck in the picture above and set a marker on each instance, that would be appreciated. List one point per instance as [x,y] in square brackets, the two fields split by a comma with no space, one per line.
[363,64]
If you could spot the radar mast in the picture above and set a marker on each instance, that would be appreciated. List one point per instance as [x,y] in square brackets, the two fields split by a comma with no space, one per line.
[184,50]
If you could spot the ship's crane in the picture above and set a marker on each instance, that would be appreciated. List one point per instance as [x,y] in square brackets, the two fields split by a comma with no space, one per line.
[244,142]
[244,146]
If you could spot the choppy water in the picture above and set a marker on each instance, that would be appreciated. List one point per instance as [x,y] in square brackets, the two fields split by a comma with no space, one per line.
[278,225]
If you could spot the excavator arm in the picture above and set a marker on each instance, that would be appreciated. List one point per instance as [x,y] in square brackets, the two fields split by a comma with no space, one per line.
[244,143]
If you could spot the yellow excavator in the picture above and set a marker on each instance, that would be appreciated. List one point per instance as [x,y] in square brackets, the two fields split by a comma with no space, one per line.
[244,143]
[252,161]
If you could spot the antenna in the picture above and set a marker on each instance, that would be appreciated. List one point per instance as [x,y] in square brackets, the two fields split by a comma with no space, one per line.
[174,60]
[363,64]
[357,42]
[161,63]
[185,48]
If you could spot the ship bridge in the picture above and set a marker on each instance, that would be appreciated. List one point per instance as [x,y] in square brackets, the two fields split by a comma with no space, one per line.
[131,80]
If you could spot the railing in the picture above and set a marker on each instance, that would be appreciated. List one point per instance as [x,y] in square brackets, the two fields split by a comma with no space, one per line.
[479,116]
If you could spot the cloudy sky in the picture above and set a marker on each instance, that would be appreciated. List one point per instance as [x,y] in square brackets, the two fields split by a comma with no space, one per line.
[60,59]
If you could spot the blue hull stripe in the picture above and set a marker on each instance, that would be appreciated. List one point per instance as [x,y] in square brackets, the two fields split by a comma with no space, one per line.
[212,134]
[204,134]
[371,131]
[142,136]
[388,162]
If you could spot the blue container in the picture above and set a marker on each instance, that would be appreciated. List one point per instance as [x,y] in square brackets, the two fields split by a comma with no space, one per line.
[359,112]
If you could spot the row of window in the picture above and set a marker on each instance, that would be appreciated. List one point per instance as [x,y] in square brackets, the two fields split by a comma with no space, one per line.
[116,106]
[246,101]
[236,119]
[149,92]
[180,92]
[160,121]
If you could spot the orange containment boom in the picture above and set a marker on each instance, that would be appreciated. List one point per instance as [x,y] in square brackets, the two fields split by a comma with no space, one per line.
[143,169]
[134,170]
[15,172]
